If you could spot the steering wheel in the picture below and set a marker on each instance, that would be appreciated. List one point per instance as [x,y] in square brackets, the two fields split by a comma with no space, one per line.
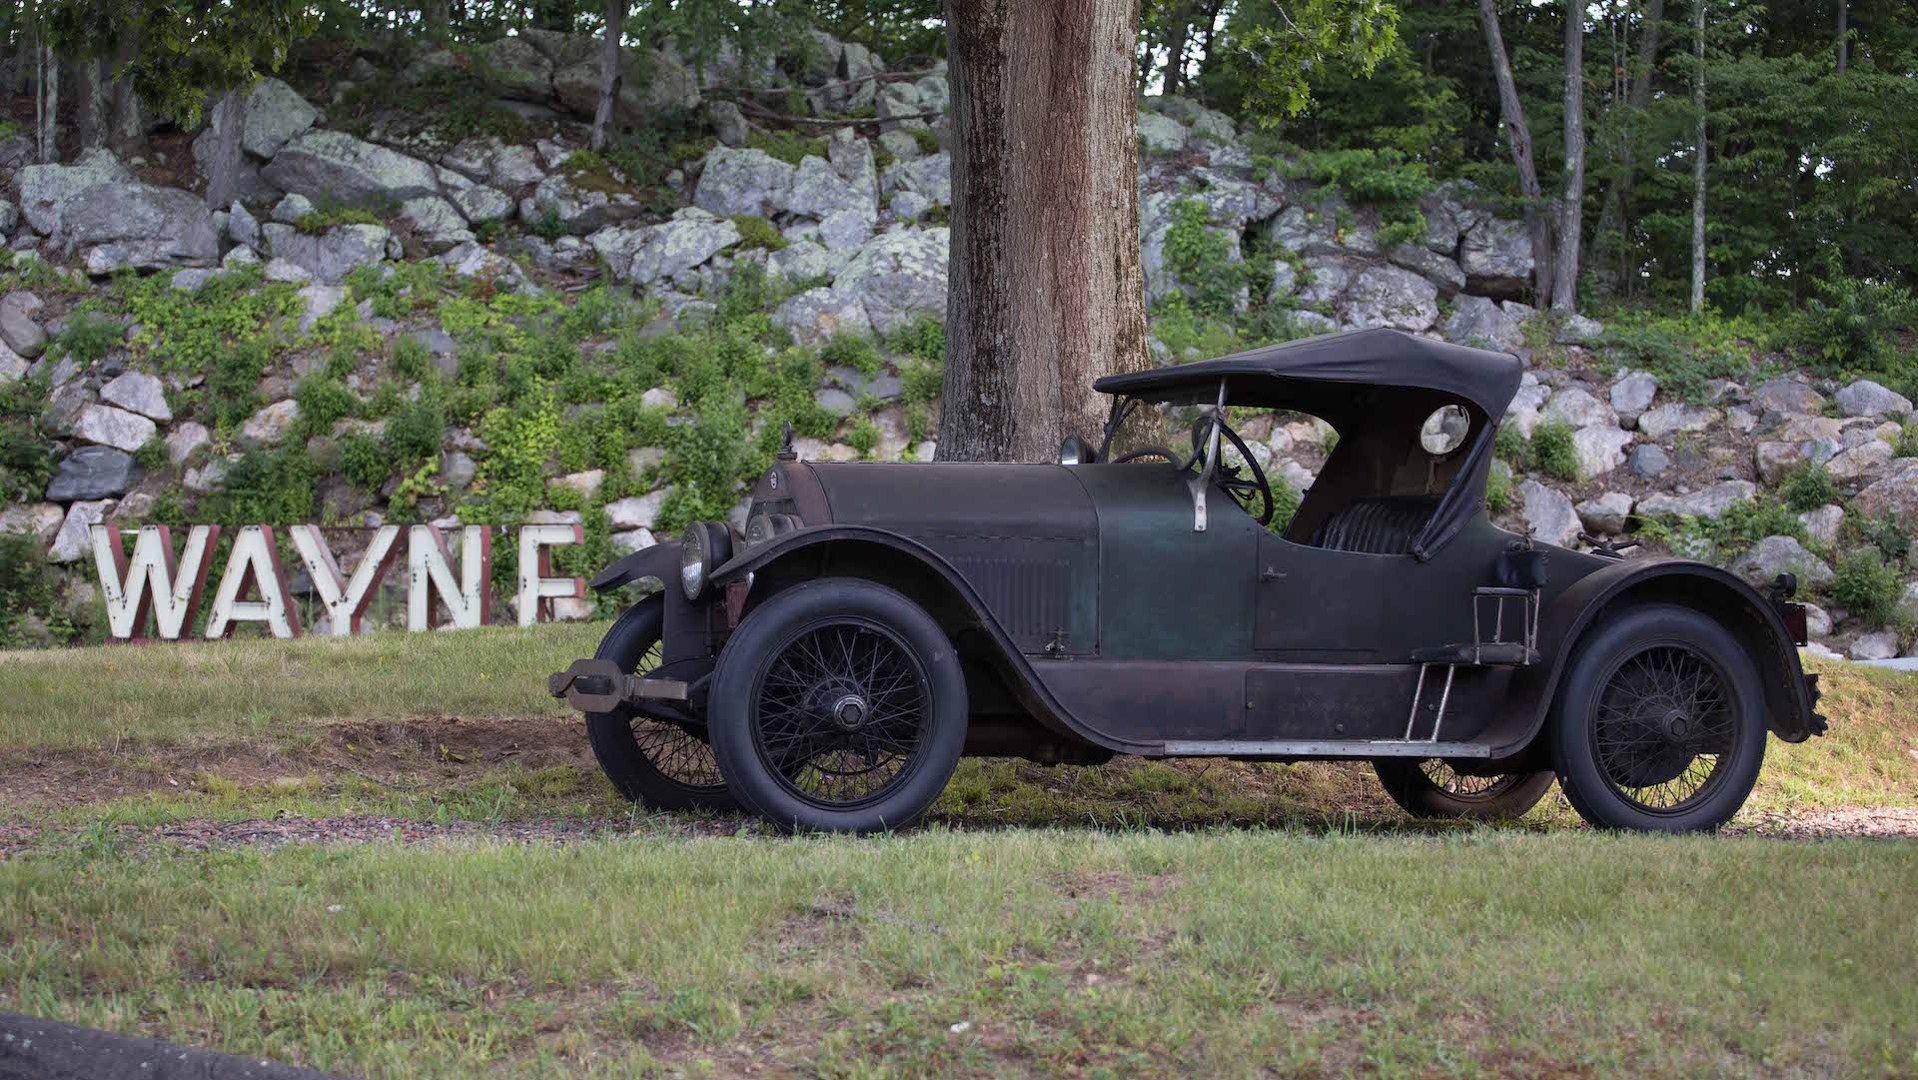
[1242,489]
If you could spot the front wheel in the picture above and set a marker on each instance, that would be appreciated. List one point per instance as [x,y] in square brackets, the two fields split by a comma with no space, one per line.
[653,760]
[1659,725]
[1433,789]
[838,706]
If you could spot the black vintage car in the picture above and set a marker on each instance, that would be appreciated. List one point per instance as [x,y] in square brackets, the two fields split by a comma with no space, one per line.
[876,621]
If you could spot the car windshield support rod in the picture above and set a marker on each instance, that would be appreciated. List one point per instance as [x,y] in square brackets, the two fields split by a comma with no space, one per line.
[1203,478]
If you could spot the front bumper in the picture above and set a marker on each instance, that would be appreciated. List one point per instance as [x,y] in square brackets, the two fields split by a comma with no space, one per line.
[599,686]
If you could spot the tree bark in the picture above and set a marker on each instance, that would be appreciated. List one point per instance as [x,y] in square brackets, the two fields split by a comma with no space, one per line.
[1611,218]
[1046,289]
[92,106]
[1844,35]
[46,105]
[1571,201]
[611,73]
[223,172]
[128,126]
[1176,38]
[438,17]
[1512,112]
[1698,159]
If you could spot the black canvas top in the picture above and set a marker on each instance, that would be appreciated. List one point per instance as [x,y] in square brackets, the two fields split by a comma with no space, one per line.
[1270,377]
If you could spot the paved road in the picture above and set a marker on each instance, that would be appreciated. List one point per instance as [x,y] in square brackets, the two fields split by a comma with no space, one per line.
[32,1049]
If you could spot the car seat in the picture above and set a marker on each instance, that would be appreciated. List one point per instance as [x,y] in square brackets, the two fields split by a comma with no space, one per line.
[1384,525]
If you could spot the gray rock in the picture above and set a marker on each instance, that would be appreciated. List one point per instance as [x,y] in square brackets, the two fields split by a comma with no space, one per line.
[1576,406]
[835,401]
[1860,464]
[480,204]
[1599,448]
[645,254]
[44,190]
[742,182]
[292,208]
[457,469]
[474,261]
[138,226]
[846,231]
[270,424]
[94,472]
[899,278]
[637,512]
[9,218]
[273,115]
[1789,397]
[184,439]
[580,209]
[1648,462]
[1817,622]
[1894,493]
[900,144]
[805,260]
[20,328]
[660,397]
[1328,277]
[1391,296]
[1160,135]
[1776,555]
[13,366]
[523,72]
[335,166]
[136,391]
[818,315]
[320,301]
[1607,514]
[1547,513]
[1496,256]
[1441,270]
[284,272]
[38,520]
[1867,398]
[654,83]
[243,227]
[1579,330]
[930,176]
[1877,645]
[1822,524]
[897,103]
[1632,394]
[487,160]
[1710,502]
[910,205]
[1479,321]
[332,255]
[817,190]
[75,540]
[435,223]
[1675,417]
[113,427]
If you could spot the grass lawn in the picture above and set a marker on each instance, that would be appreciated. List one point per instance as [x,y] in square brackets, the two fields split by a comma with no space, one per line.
[1144,917]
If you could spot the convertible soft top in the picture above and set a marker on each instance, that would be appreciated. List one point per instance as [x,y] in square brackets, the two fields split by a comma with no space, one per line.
[1277,376]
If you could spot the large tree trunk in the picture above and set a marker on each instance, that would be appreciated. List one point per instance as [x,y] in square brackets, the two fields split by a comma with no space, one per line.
[223,172]
[438,17]
[1844,35]
[1176,38]
[46,104]
[92,104]
[1698,159]
[1571,200]
[1512,112]
[128,127]
[1046,289]
[1611,218]
[611,73]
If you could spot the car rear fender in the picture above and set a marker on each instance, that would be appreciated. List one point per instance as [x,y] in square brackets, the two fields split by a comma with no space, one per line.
[921,573]
[1750,616]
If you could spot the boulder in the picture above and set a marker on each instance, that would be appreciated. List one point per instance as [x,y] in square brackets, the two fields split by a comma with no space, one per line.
[1159,134]
[108,426]
[1867,398]
[1861,464]
[1574,405]
[270,424]
[184,439]
[480,204]
[139,226]
[636,512]
[38,520]
[644,254]
[1599,448]
[1877,645]
[13,366]
[1776,555]
[1895,493]
[900,144]
[805,260]
[909,205]
[94,472]
[742,182]
[44,190]
[1441,270]
[1789,397]
[20,329]
[520,69]
[435,223]
[930,176]
[1632,393]
[1710,502]
[1479,321]
[1548,514]
[1578,330]
[274,114]
[1674,417]
[1648,462]
[899,278]
[1822,524]
[654,83]
[818,315]
[74,541]
[472,260]
[340,169]
[1496,255]
[1393,297]
[139,392]
[487,160]
[817,190]
[292,209]
[579,207]
[332,255]
[1607,514]
[320,301]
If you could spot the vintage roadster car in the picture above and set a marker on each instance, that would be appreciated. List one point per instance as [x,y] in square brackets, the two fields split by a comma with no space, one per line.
[875,622]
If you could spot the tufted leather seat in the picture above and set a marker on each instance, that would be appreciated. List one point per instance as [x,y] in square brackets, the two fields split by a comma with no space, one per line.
[1378,526]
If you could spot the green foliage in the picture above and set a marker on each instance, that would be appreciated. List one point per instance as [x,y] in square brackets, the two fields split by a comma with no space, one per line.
[757,232]
[26,457]
[1867,586]
[269,487]
[1498,489]
[320,220]
[519,444]
[1807,487]
[924,339]
[1686,353]
[853,351]
[1273,49]
[364,462]
[323,399]
[1285,503]
[1552,451]
[1855,325]
[1201,259]
[89,337]
[1387,179]
[788,146]
[31,613]
[1887,535]
[228,332]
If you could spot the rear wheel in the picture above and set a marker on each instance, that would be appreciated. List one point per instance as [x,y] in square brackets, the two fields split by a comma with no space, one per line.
[839,706]
[1433,789]
[658,760]
[1660,723]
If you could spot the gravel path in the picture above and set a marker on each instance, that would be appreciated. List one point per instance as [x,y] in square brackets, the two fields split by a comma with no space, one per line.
[269,833]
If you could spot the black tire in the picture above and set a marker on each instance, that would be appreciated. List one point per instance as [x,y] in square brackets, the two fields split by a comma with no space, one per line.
[1431,789]
[838,706]
[1659,725]
[650,761]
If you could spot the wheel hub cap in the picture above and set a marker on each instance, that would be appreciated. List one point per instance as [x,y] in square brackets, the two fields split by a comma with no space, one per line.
[849,712]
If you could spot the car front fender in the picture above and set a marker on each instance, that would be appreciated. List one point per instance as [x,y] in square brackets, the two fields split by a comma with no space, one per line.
[659,561]
[1790,696]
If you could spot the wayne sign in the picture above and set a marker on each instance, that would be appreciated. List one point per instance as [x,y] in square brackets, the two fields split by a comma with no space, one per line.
[158,586]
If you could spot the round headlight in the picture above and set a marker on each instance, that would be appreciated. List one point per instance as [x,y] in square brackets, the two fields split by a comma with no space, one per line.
[692,561]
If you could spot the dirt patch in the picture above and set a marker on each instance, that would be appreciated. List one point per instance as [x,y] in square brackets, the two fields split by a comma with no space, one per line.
[1871,822]
[421,750]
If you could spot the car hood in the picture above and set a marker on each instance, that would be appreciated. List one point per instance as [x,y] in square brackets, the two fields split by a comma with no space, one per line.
[971,502]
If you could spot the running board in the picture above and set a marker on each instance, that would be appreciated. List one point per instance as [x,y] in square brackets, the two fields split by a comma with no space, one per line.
[1326,748]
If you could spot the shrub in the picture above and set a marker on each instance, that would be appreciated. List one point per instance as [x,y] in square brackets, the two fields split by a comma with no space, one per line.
[1851,322]
[1807,487]
[364,462]
[853,351]
[270,487]
[1498,490]
[1866,586]
[757,232]
[88,337]
[1552,450]
[26,458]
[924,339]
[323,399]
[787,146]
[1885,533]
[29,587]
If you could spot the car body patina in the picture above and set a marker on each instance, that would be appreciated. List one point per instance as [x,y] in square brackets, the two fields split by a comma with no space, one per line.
[877,621]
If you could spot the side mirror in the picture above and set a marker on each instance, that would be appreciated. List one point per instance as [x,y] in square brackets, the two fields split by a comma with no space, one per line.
[1076,451]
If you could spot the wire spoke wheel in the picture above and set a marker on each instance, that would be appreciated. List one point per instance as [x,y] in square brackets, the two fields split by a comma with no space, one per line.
[680,755]
[1664,726]
[840,713]
[1464,787]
